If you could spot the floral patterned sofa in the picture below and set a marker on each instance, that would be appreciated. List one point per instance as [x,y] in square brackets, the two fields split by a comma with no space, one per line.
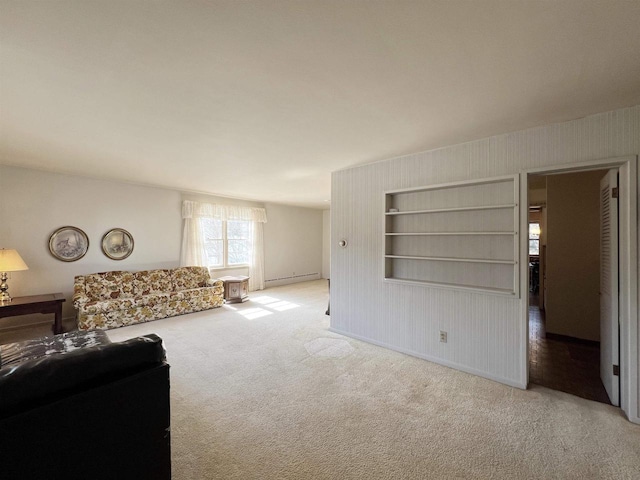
[116,299]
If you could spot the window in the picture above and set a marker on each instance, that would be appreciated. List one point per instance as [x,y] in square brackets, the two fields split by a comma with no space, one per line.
[226,243]
[534,239]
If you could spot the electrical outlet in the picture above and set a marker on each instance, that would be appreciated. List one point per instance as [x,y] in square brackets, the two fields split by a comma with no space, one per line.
[443,336]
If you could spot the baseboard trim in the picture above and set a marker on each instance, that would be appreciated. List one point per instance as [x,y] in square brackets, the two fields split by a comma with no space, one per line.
[290,277]
[278,282]
[568,339]
[633,419]
[439,361]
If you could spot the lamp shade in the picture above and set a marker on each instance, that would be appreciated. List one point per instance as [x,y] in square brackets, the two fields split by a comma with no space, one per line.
[11,261]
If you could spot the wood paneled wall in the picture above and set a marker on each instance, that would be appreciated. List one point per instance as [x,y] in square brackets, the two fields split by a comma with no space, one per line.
[486,333]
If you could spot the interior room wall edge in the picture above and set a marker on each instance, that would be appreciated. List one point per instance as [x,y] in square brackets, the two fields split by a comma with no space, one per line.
[485,332]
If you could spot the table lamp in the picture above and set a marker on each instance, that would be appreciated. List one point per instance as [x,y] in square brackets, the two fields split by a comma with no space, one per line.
[10,261]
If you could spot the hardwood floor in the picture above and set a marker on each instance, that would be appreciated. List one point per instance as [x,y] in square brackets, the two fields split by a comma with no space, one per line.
[563,365]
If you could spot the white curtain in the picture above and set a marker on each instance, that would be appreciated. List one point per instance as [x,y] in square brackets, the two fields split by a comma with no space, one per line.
[256,267]
[193,252]
[223,212]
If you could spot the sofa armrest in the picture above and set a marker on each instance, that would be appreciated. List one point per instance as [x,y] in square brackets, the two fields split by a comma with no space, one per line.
[79,300]
[45,379]
[79,296]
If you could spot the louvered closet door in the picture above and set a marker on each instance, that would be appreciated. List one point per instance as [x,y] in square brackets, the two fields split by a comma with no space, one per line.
[609,328]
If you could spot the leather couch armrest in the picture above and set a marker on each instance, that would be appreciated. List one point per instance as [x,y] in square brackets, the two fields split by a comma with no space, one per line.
[49,378]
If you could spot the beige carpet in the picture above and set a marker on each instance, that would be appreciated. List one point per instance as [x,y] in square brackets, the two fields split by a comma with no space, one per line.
[262,390]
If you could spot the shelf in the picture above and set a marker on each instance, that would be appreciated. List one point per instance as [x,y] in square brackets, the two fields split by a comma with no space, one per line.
[463,184]
[499,291]
[454,209]
[451,234]
[452,259]
[416,240]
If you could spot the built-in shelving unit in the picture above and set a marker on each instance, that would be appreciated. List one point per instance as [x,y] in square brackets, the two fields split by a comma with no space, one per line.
[458,235]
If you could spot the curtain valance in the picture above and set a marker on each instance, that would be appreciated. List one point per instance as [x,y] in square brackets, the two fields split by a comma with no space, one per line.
[192,209]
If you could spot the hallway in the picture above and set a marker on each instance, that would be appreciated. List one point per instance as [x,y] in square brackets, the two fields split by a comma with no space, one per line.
[569,366]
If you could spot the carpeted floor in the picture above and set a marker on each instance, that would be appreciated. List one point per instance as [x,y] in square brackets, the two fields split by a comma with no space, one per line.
[263,390]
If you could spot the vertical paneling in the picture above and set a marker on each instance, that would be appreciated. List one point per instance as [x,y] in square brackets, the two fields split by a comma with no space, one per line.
[484,331]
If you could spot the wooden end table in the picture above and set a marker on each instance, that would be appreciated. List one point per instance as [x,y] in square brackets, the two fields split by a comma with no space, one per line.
[236,289]
[49,303]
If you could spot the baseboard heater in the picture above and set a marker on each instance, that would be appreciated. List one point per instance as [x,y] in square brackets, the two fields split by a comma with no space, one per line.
[292,277]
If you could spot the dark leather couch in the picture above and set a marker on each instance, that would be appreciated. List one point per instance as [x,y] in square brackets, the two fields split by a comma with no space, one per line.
[76,406]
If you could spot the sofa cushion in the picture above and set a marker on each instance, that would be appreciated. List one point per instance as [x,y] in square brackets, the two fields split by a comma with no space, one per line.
[152,299]
[115,319]
[109,285]
[151,282]
[117,304]
[185,278]
[177,306]
[125,303]
[186,294]
[205,301]
[194,300]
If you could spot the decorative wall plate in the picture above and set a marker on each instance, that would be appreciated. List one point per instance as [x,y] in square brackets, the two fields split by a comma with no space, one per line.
[68,244]
[117,244]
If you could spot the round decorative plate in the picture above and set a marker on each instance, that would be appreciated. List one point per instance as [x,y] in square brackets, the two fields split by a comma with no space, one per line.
[117,244]
[68,244]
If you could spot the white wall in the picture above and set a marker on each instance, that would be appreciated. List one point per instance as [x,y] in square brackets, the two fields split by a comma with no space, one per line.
[537,196]
[486,333]
[35,203]
[293,244]
[326,244]
[573,254]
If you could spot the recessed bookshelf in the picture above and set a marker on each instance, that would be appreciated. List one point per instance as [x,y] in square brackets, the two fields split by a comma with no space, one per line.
[460,235]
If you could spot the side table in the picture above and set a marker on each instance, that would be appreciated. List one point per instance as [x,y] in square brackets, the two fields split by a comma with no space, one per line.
[236,289]
[50,303]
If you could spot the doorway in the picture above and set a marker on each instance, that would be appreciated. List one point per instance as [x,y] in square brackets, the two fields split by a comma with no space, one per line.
[564,283]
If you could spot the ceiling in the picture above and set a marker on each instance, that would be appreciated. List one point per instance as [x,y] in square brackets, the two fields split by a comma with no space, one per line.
[263,99]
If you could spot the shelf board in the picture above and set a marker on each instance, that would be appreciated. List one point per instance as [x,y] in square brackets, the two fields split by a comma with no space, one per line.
[428,283]
[452,259]
[454,209]
[451,234]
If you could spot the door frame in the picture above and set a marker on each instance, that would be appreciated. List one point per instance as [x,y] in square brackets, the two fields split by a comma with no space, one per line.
[629,185]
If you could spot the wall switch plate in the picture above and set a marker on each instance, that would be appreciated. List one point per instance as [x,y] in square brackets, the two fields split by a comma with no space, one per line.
[443,336]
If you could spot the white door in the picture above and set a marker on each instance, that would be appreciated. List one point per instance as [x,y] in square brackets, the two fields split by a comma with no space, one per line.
[609,339]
